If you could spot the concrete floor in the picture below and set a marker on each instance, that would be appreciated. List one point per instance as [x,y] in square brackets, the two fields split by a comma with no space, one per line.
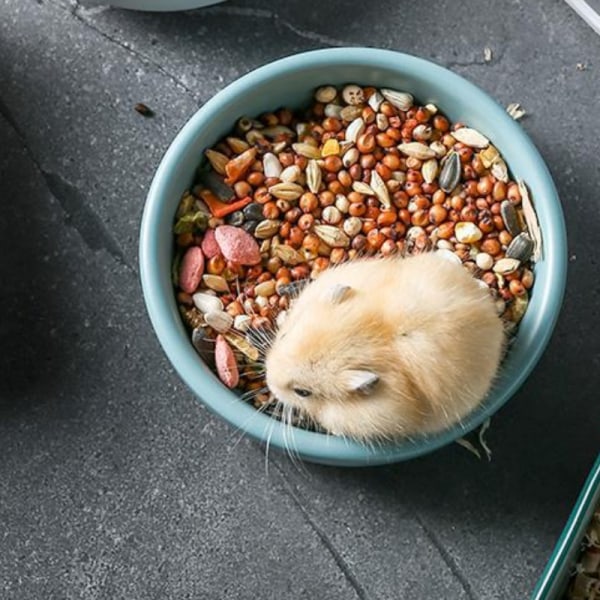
[114,481]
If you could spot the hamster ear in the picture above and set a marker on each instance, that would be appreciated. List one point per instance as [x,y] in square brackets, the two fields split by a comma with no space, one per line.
[360,381]
[338,293]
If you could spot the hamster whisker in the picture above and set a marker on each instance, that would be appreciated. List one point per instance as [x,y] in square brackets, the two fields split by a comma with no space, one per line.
[290,443]
[242,427]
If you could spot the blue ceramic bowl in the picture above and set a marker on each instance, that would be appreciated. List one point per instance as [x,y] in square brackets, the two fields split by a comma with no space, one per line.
[290,82]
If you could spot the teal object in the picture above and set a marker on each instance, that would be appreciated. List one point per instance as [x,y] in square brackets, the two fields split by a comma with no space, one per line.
[555,578]
[290,81]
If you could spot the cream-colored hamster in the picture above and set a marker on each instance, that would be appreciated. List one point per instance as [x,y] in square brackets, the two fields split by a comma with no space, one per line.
[387,348]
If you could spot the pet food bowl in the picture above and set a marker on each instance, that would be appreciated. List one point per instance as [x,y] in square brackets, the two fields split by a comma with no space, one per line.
[290,82]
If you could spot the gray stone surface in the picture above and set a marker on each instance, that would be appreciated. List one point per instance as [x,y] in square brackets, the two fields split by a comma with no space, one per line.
[114,481]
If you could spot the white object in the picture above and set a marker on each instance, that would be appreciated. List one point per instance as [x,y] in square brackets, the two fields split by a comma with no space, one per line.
[587,13]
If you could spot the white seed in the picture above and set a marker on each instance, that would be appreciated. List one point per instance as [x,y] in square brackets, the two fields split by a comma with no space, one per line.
[351,157]
[422,132]
[219,320]
[271,165]
[290,174]
[399,176]
[306,150]
[355,129]
[332,236]
[342,203]
[500,170]
[400,100]
[431,109]
[353,94]
[439,149]
[375,100]
[325,94]
[207,302]
[349,113]
[430,170]
[470,137]
[242,323]
[331,215]
[445,245]
[484,261]
[467,232]
[333,110]
[313,176]
[506,265]
[352,226]
[262,301]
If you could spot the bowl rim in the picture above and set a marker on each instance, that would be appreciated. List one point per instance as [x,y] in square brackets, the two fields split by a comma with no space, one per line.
[312,446]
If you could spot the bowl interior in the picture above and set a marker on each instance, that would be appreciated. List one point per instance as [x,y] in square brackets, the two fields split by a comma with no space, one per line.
[290,82]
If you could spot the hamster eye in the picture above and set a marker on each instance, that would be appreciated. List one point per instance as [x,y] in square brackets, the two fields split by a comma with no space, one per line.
[303,393]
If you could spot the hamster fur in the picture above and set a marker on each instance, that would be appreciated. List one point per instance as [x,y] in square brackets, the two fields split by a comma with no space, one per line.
[387,348]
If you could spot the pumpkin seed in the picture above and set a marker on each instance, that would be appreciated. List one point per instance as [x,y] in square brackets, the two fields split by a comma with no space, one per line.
[332,236]
[266,229]
[470,137]
[510,218]
[417,150]
[271,165]
[451,172]
[206,302]
[401,100]
[219,320]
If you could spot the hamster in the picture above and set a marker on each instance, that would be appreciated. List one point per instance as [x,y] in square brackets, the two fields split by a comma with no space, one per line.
[387,348]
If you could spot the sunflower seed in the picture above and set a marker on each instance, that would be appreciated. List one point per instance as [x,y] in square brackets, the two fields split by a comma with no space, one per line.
[375,100]
[510,218]
[325,94]
[470,137]
[215,282]
[206,302]
[332,236]
[306,150]
[293,288]
[349,113]
[204,345]
[288,255]
[363,188]
[520,248]
[266,229]
[533,226]
[417,150]
[355,129]
[400,100]
[271,165]
[451,172]
[378,186]
[353,94]
[217,160]
[506,265]
[430,170]
[500,170]
[219,320]
[286,191]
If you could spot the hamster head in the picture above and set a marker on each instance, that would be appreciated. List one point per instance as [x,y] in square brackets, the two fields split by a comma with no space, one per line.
[386,348]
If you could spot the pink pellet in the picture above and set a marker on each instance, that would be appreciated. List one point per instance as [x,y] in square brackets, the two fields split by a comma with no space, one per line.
[237,245]
[192,269]
[226,364]
[209,244]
